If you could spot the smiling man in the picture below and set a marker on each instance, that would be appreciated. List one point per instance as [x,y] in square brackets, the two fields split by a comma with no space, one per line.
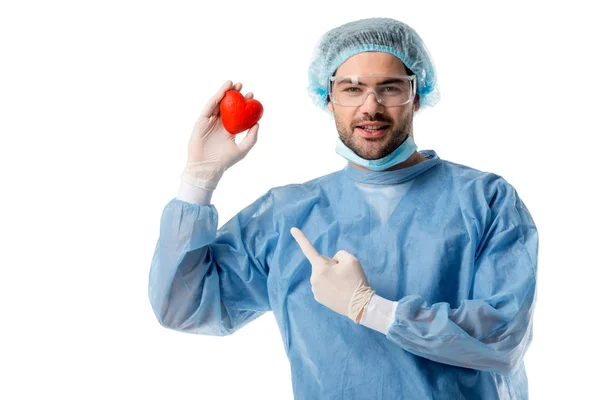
[401,276]
[374,114]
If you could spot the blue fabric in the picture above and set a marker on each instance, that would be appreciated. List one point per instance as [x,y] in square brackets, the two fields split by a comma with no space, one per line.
[401,154]
[372,34]
[456,247]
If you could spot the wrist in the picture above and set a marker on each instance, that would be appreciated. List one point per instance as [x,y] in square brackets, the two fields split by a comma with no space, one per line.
[360,314]
[379,314]
[194,194]
[361,297]
[203,175]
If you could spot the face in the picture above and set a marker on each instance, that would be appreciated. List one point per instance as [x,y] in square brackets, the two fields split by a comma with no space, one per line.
[397,121]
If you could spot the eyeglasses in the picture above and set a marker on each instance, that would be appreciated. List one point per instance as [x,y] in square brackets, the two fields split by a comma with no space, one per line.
[390,90]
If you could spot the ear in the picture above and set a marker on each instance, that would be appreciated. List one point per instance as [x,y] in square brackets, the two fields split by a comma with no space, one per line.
[416,103]
[329,105]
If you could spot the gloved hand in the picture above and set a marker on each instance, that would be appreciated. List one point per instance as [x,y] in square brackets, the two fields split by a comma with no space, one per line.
[211,149]
[339,282]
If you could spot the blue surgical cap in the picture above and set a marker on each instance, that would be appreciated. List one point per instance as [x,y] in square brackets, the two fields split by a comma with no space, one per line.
[373,34]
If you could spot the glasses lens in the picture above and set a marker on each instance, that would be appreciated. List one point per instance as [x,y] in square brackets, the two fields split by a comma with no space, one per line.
[389,91]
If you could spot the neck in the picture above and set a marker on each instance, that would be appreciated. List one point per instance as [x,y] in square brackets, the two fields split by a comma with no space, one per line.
[414,159]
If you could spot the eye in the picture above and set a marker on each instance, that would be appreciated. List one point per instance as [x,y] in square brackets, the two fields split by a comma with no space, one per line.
[391,89]
[352,89]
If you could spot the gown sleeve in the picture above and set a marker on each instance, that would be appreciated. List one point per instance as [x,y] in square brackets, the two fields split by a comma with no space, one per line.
[208,281]
[491,330]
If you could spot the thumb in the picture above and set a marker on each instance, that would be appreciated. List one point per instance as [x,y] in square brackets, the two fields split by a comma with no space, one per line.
[249,141]
[212,106]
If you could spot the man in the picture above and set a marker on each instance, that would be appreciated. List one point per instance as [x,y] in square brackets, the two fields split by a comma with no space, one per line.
[430,290]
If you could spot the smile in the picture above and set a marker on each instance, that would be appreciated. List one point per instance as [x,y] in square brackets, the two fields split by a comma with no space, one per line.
[373,130]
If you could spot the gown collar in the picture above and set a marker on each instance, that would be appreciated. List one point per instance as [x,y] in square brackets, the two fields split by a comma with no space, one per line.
[393,177]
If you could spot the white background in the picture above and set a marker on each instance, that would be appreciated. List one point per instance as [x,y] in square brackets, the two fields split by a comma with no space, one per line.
[97,101]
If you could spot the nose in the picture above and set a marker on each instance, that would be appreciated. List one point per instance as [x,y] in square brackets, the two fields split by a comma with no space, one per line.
[371,104]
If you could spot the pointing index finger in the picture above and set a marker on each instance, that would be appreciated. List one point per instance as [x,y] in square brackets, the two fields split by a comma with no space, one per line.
[307,248]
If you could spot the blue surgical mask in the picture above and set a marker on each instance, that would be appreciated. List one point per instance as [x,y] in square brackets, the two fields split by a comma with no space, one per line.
[402,153]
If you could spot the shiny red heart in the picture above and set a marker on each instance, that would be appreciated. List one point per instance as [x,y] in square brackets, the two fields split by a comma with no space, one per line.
[238,113]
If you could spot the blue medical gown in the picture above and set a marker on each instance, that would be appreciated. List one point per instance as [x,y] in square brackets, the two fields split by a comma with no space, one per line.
[456,247]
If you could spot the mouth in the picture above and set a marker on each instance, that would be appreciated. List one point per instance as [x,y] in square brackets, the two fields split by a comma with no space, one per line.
[372,131]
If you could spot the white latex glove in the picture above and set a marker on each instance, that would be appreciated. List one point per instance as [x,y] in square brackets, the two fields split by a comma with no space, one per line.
[211,149]
[339,282]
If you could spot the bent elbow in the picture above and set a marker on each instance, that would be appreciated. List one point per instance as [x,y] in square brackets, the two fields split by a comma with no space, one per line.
[511,360]
[164,318]
[508,365]
[163,313]
[510,346]
[194,323]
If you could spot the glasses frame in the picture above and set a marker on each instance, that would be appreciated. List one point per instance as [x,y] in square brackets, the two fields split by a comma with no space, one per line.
[411,78]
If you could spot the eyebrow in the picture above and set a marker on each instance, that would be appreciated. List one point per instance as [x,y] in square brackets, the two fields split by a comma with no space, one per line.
[392,80]
[386,82]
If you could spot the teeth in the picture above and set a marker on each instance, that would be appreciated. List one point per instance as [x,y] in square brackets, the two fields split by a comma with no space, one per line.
[372,128]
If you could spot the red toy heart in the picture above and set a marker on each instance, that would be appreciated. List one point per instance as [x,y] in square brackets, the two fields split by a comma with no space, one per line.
[238,113]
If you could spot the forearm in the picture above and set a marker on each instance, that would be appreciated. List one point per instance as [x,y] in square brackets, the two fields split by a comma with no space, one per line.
[474,335]
[209,281]
[180,263]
